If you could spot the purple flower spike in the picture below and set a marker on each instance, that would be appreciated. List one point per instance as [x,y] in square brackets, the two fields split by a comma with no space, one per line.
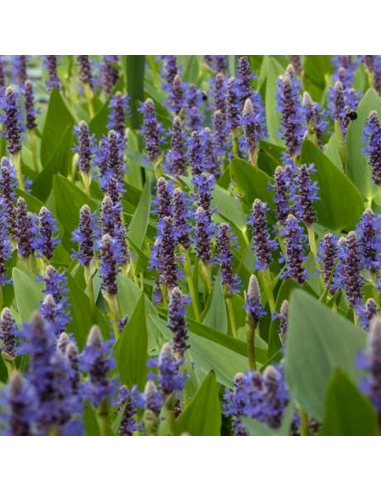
[263,244]
[176,95]
[85,147]
[366,313]
[54,314]
[342,105]
[230,280]
[152,398]
[152,131]
[283,320]
[370,361]
[182,215]
[252,122]
[220,133]
[110,72]
[176,159]
[234,402]
[5,251]
[84,65]
[26,229]
[8,333]
[204,184]
[289,105]
[204,232]
[12,120]
[96,360]
[56,286]
[163,257]
[316,124]
[296,62]
[128,404]
[2,73]
[46,242]
[30,110]
[163,203]
[20,68]
[119,111]
[263,397]
[177,323]
[372,137]
[217,63]
[345,68]
[170,379]
[111,160]
[170,71]
[195,154]
[350,260]
[254,305]
[51,65]
[219,94]
[281,189]
[307,194]
[86,235]
[210,163]
[20,401]
[244,81]
[50,376]
[109,256]
[369,238]
[233,105]
[328,254]
[373,67]
[72,355]
[194,118]
[8,184]
[295,240]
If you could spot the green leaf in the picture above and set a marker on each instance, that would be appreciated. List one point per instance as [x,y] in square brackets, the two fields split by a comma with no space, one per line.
[274,70]
[131,349]
[133,69]
[82,320]
[210,356]
[340,205]
[202,416]
[319,341]
[28,293]
[358,168]
[229,207]
[216,316]
[58,164]
[139,223]
[251,181]
[347,412]
[58,119]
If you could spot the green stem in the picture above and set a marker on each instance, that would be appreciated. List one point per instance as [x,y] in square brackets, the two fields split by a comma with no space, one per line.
[250,337]
[229,305]
[89,99]
[86,180]
[113,304]
[17,163]
[207,276]
[9,362]
[304,423]
[312,241]
[341,145]
[191,287]
[235,145]
[33,148]
[103,418]
[1,298]
[267,282]
[90,289]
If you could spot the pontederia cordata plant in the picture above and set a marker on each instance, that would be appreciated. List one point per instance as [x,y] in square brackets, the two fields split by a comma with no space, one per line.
[190,245]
